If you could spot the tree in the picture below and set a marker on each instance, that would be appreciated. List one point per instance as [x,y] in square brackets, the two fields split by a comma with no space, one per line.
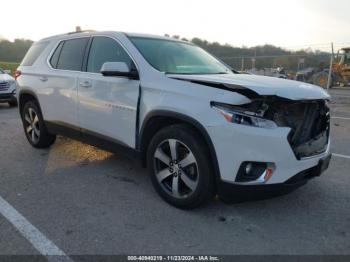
[14,51]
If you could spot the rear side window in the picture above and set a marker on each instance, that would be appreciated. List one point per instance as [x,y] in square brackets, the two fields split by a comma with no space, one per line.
[56,55]
[105,49]
[33,53]
[72,54]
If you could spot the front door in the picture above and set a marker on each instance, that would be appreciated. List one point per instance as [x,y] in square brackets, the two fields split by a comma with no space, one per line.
[107,105]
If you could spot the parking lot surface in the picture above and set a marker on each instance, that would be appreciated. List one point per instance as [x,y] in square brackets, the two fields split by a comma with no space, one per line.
[88,201]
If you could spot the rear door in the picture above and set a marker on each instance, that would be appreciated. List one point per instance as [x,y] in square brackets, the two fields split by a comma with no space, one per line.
[107,105]
[60,103]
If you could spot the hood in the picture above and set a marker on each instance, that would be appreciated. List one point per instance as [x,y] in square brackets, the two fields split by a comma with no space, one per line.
[260,85]
[5,77]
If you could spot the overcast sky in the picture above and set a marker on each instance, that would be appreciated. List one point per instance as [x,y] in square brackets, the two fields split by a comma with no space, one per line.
[284,23]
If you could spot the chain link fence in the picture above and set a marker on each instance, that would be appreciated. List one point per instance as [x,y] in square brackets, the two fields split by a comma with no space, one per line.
[309,64]
[290,63]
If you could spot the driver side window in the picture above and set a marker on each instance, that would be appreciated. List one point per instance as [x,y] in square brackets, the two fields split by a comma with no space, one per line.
[104,49]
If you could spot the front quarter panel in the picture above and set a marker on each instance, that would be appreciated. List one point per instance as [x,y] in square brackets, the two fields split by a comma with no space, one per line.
[193,100]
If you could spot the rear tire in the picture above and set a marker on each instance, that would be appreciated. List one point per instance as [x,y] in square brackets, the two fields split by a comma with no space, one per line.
[179,166]
[34,126]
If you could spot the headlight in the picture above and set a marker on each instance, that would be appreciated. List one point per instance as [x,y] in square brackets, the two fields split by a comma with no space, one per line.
[241,116]
[11,82]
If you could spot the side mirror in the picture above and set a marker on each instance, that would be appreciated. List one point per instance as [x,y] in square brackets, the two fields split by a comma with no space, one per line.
[118,69]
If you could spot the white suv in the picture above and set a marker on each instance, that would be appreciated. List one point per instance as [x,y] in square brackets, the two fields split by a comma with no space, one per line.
[199,126]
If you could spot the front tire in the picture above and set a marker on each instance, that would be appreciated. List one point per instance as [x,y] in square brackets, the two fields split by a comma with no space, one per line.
[34,126]
[179,166]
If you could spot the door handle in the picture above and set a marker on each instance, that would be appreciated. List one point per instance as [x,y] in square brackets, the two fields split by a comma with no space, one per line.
[43,78]
[85,84]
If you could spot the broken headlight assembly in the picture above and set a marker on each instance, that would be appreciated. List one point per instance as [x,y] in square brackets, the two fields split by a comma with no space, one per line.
[243,116]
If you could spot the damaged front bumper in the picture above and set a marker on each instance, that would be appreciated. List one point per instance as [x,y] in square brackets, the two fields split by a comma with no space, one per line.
[314,146]
[271,157]
[239,193]
[236,144]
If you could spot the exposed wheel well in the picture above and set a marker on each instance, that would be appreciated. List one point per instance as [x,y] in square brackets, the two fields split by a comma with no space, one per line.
[152,126]
[155,123]
[24,98]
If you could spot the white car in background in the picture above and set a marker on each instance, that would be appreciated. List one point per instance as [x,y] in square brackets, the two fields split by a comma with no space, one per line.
[200,127]
[7,89]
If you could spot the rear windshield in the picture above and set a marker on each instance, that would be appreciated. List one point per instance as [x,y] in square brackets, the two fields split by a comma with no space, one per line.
[33,53]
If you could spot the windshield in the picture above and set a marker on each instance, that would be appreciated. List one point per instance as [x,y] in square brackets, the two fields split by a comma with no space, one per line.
[177,57]
[1,71]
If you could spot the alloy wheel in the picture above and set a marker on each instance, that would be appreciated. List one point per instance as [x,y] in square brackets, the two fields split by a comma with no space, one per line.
[32,127]
[176,168]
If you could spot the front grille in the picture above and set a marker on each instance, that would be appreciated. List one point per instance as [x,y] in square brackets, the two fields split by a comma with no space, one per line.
[4,86]
[309,122]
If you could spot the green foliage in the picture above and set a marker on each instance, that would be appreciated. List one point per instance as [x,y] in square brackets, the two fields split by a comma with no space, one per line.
[9,66]
[266,56]
[14,51]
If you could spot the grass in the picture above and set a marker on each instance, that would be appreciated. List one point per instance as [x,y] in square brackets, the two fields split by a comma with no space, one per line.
[9,66]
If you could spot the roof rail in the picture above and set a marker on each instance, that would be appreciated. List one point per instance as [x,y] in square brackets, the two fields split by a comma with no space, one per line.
[78,30]
[69,33]
[82,31]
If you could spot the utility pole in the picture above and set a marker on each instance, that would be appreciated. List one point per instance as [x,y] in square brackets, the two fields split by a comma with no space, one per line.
[330,69]
[254,59]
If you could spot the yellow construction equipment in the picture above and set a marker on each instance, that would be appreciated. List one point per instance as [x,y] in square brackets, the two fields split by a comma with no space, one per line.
[342,68]
[340,74]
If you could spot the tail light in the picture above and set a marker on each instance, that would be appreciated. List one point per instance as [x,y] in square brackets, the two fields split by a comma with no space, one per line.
[17,74]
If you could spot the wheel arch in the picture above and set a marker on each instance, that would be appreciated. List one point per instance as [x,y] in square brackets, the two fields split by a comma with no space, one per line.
[158,119]
[25,96]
